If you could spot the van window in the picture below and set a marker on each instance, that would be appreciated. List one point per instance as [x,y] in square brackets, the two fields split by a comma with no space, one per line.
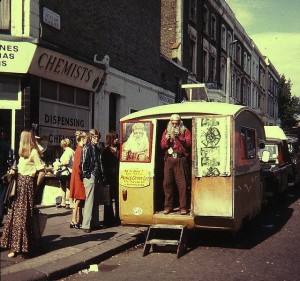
[248,143]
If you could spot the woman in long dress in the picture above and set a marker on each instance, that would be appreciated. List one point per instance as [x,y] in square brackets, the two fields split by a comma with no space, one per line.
[77,190]
[18,226]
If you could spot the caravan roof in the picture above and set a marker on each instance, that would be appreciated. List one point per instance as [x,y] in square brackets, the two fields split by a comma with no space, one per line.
[188,109]
[274,133]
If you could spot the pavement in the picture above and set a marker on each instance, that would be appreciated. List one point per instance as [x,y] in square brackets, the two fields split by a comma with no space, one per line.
[63,251]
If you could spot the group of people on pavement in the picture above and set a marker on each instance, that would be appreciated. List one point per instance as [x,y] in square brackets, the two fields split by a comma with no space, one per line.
[88,175]
[91,168]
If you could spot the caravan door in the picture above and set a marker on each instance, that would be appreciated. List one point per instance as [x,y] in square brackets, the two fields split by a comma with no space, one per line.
[212,181]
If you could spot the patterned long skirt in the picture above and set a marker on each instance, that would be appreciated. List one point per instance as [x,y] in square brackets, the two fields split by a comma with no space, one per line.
[18,226]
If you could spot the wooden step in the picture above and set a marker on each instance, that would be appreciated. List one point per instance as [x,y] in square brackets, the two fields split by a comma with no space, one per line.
[167,226]
[164,235]
[163,242]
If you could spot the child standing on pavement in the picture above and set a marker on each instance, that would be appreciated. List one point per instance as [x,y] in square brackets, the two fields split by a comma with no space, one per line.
[66,160]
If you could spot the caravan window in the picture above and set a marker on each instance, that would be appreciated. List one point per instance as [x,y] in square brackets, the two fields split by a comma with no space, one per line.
[248,143]
[136,141]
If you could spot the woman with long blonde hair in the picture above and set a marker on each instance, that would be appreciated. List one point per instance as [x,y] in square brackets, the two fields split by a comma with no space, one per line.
[18,226]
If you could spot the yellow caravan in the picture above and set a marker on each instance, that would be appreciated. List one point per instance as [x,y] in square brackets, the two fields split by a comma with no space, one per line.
[225,183]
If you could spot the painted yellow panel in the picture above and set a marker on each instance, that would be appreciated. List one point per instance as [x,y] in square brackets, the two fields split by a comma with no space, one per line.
[136,201]
[212,196]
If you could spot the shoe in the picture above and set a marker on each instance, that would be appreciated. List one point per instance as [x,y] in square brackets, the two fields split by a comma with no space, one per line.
[12,255]
[67,206]
[86,230]
[60,206]
[167,211]
[74,225]
[183,211]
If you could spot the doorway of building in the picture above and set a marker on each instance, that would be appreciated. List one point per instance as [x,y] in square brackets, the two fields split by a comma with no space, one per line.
[5,122]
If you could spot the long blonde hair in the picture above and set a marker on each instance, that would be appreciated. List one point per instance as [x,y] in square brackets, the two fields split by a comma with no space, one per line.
[27,143]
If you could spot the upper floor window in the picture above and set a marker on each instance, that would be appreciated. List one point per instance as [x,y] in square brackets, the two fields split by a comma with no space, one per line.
[205,66]
[205,20]
[229,41]
[223,37]
[193,10]
[212,69]
[193,50]
[248,65]
[238,54]
[238,89]
[213,27]
[5,15]
[245,61]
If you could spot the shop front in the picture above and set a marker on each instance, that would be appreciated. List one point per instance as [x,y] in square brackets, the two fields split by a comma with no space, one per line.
[49,92]
[47,88]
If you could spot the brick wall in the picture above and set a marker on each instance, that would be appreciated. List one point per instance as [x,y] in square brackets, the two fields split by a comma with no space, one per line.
[127,31]
[168,26]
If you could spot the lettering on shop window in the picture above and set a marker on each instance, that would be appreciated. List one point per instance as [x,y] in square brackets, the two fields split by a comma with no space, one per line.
[64,121]
[7,52]
[56,139]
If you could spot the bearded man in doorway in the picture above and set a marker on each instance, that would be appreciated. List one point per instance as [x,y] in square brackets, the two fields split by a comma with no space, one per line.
[176,143]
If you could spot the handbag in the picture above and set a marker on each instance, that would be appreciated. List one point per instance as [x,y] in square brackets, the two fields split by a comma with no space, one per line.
[63,174]
[11,189]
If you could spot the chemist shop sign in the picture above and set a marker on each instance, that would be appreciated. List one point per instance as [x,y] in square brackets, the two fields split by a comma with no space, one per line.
[64,69]
[59,121]
[16,57]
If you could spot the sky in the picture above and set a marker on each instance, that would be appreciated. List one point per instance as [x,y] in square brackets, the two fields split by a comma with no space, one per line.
[274,26]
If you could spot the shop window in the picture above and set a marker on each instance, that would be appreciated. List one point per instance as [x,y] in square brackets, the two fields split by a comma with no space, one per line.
[82,97]
[66,93]
[48,89]
[9,88]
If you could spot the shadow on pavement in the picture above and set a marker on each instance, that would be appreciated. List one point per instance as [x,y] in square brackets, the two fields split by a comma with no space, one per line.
[265,225]
[55,242]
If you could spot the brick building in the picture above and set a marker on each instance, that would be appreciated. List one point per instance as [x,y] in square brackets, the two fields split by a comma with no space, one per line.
[87,64]
[68,65]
